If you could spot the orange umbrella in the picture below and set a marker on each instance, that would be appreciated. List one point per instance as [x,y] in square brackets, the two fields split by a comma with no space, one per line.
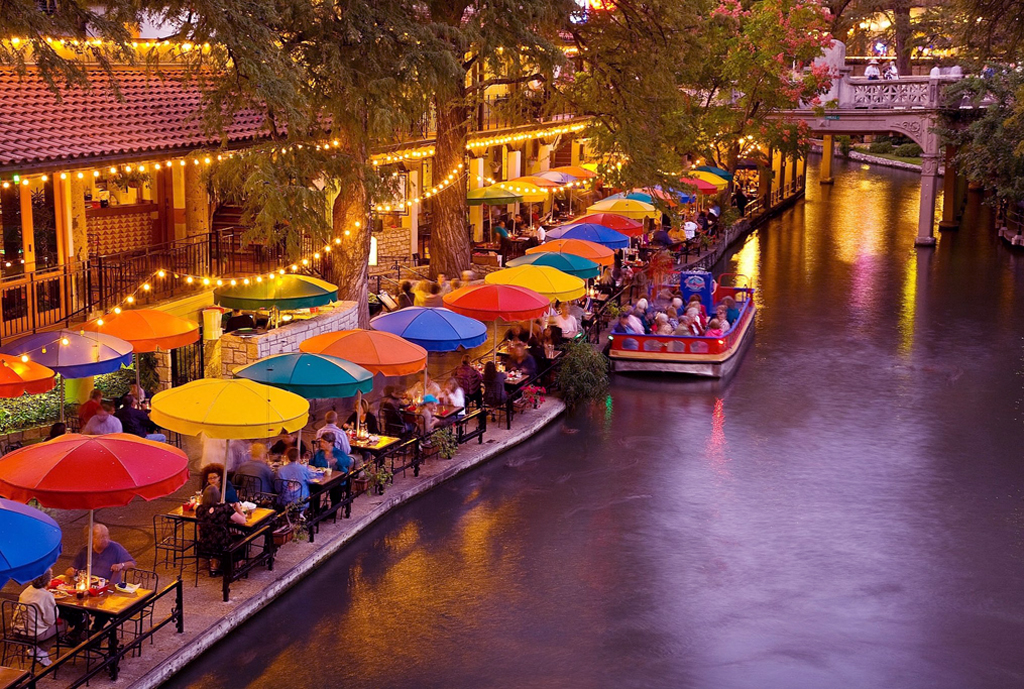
[147,329]
[18,377]
[375,350]
[579,247]
[576,171]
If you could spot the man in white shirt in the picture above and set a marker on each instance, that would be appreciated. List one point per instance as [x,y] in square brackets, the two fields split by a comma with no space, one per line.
[340,436]
[871,71]
[567,322]
[103,422]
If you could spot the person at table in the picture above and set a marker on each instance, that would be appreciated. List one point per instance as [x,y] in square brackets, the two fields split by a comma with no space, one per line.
[405,296]
[257,467]
[136,421]
[109,558]
[470,381]
[339,435]
[328,456]
[57,430]
[286,441]
[103,422]
[391,413]
[516,333]
[522,362]
[44,624]
[500,233]
[566,321]
[239,321]
[427,421]
[494,386]
[90,407]
[420,390]
[454,396]
[366,418]
[211,478]
[300,474]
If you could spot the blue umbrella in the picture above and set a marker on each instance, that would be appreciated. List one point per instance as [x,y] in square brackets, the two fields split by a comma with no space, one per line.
[313,376]
[30,542]
[562,178]
[727,176]
[434,329]
[591,232]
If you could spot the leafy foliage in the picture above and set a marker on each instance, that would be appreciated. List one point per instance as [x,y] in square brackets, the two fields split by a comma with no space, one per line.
[583,377]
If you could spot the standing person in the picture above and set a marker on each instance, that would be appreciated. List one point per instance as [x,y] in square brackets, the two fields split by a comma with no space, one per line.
[44,624]
[340,436]
[137,422]
[109,558]
[741,201]
[442,282]
[871,71]
[103,422]
[892,72]
[405,296]
[469,380]
[90,407]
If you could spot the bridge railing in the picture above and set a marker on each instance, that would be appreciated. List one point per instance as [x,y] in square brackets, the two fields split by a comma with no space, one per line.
[905,93]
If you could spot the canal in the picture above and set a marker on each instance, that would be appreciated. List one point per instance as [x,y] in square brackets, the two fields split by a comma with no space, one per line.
[846,511]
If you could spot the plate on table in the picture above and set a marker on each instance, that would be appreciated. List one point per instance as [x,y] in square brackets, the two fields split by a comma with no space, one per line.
[60,595]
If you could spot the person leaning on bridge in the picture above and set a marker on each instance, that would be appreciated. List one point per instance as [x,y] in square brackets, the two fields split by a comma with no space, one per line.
[871,71]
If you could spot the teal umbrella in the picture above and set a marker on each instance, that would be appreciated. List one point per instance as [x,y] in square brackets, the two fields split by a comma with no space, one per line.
[313,376]
[286,292]
[581,267]
[727,176]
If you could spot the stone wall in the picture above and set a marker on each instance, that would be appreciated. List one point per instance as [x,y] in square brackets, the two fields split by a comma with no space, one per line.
[234,351]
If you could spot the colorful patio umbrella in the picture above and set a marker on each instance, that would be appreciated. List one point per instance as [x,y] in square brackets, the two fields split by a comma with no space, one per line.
[73,354]
[529,193]
[628,208]
[313,376]
[146,330]
[498,302]
[30,542]
[287,293]
[601,255]
[492,196]
[376,351]
[560,178]
[577,171]
[583,268]
[627,226]
[599,234]
[88,472]
[18,377]
[709,177]
[552,283]
[653,194]
[702,186]
[716,171]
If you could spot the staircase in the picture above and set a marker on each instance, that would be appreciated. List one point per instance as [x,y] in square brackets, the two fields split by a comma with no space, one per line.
[226,216]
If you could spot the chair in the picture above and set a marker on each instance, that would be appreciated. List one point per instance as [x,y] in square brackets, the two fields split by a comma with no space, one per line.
[147,580]
[287,491]
[174,545]
[251,489]
[19,645]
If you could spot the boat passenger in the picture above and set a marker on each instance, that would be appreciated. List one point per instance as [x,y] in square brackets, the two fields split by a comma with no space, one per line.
[624,326]
[685,327]
[721,314]
[661,325]
[732,310]
[673,317]
[636,323]
[698,303]
[714,329]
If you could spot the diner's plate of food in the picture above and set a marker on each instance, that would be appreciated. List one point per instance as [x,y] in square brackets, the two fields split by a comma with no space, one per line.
[60,595]
[125,587]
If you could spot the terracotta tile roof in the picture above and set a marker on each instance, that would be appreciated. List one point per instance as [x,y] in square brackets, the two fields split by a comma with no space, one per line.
[155,114]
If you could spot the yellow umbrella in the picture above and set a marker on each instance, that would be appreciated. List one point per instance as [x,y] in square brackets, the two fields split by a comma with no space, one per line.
[235,409]
[530,192]
[627,208]
[709,177]
[551,282]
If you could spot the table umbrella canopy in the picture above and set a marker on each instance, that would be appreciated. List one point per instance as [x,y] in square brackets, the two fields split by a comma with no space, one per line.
[529,193]
[493,302]
[434,329]
[376,351]
[652,194]
[492,196]
[18,377]
[73,354]
[559,178]
[583,268]
[287,292]
[552,283]
[84,472]
[235,409]
[601,255]
[30,542]
[627,226]
[599,234]
[147,330]
[727,176]
[577,171]
[702,186]
[627,208]
[313,376]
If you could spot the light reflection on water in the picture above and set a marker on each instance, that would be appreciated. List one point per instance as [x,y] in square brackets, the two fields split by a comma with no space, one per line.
[845,512]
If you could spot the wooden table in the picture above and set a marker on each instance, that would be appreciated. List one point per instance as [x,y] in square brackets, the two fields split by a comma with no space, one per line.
[384,443]
[252,520]
[9,676]
[111,604]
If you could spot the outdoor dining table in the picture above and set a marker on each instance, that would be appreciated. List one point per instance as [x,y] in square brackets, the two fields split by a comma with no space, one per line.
[375,449]
[252,520]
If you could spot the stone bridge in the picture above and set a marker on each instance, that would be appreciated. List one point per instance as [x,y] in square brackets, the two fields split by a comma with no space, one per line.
[908,106]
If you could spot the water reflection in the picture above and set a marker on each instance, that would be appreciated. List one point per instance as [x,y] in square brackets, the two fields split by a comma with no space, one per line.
[846,511]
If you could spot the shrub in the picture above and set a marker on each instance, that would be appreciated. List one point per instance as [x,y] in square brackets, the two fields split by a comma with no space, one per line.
[880,147]
[583,377]
[844,144]
[910,150]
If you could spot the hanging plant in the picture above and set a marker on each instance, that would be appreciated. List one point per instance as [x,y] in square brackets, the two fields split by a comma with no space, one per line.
[134,179]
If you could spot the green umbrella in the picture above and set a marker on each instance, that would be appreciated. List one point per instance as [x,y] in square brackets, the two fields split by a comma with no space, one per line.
[492,196]
[313,376]
[572,264]
[286,293]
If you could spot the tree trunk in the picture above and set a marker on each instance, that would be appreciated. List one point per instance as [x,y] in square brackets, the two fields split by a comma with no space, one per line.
[901,26]
[351,259]
[450,248]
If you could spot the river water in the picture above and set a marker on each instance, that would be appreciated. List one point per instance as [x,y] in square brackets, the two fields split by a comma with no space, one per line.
[845,511]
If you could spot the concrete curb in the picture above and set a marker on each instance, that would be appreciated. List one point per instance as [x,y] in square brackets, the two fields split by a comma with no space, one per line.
[551,410]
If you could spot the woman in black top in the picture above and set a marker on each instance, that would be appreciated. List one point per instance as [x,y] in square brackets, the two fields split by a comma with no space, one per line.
[366,418]
[494,386]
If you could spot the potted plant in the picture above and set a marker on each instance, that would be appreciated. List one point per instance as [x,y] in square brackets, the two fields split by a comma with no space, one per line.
[533,395]
[583,377]
[377,477]
[446,442]
[293,525]
[360,484]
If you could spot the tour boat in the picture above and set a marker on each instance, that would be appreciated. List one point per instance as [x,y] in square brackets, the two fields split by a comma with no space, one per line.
[713,357]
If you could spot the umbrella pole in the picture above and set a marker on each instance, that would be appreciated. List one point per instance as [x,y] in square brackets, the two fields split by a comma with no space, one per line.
[224,477]
[494,351]
[138,383]
[62,401]
[359,408]
[88,557]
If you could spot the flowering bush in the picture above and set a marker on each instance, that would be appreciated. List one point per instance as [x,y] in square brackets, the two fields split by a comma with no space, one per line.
[534,394]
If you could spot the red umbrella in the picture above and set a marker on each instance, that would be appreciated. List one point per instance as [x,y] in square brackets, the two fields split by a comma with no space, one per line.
[701,186]
[627,226]
[83,472]
[491,302]
[18,376]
